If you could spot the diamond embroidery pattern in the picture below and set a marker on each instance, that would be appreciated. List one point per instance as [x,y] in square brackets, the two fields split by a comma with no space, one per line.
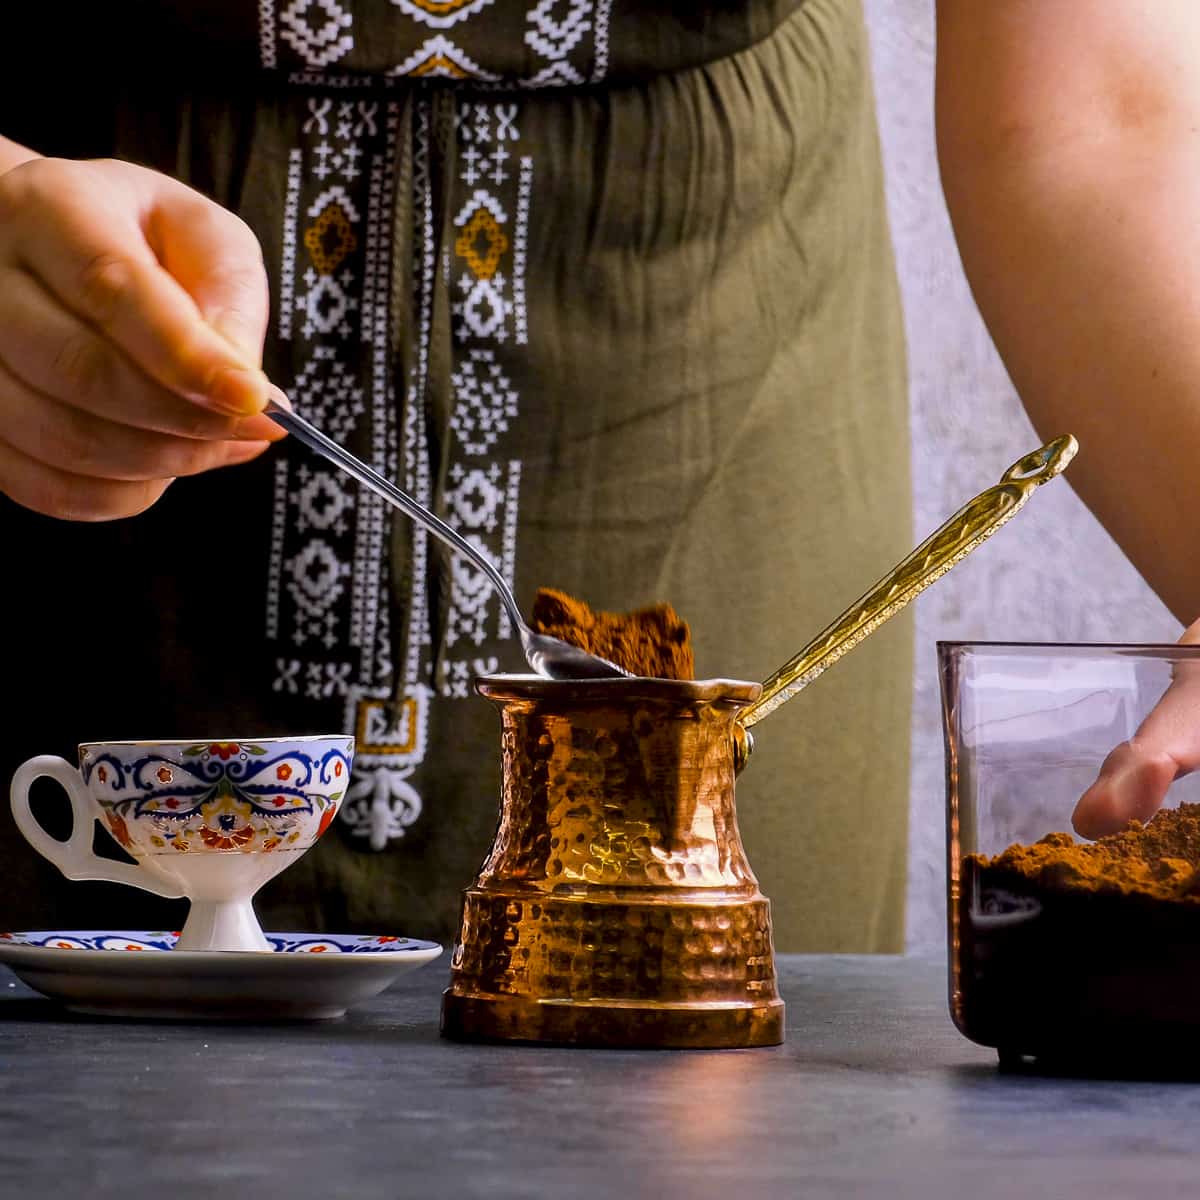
[313,28]
[555,39]
[328,394]
[485,403]
[480,220]
[330,239]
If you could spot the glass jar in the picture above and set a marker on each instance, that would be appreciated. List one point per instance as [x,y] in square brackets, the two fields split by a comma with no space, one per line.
[1064,947]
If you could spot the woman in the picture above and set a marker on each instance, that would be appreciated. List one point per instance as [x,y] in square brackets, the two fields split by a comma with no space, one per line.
[607,284]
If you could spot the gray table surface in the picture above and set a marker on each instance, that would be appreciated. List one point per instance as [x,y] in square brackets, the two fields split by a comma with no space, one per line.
[874,1094]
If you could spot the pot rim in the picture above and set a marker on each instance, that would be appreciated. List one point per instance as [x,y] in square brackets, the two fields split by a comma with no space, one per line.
[619,690]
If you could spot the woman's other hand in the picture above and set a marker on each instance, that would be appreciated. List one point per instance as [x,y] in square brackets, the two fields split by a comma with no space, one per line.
[132,317]
[1134,778]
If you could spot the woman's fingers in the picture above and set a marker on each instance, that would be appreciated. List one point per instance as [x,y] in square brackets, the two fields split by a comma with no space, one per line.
[91,233]
[55,492]
[1135,777]
[73,440]
[1132,785]
[71,497]
[217,260]
[56,354]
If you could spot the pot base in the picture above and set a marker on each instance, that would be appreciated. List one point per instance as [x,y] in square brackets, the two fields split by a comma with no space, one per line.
[645,1024]
[660,970]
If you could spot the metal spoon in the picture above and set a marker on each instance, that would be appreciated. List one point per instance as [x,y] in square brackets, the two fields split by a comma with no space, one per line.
[547,655]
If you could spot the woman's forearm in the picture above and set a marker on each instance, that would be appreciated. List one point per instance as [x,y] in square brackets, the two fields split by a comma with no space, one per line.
[1071,164]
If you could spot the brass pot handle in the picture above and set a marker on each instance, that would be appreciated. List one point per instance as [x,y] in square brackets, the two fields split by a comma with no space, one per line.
[976,521]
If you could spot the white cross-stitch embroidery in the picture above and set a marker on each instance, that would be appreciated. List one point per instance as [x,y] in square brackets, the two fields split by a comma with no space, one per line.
[322,503]
[329,394]
[486,402]
[484,483]
[332,620]
[555,39]
[380,805]
[569,40]
[600,26]
[314,29]
[266,33]
[329,585]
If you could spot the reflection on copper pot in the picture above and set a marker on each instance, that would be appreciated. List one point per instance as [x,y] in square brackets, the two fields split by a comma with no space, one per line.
[616,906]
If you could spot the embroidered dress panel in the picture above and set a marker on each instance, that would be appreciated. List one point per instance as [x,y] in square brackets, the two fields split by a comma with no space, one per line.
[523,43]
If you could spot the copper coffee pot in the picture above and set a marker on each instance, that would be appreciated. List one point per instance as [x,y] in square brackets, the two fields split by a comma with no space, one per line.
[617,906]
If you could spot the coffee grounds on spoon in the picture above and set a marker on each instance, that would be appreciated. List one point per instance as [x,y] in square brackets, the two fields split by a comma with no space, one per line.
[654,642]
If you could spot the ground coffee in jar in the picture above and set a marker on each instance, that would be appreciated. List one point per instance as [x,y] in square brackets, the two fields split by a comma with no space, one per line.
[1084,953]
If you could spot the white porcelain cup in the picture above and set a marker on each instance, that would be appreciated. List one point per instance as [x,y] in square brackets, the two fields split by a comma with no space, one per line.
[211,821]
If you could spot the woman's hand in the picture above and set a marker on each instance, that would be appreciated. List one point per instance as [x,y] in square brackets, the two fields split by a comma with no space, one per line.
[132,316]
[1134,779]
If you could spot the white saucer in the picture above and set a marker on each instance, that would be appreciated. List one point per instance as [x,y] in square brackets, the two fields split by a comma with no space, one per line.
[118,973]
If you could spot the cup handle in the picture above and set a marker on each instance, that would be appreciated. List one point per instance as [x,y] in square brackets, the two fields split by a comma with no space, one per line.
[74,857]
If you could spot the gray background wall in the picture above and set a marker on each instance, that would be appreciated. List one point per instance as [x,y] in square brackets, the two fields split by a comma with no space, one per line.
[1053,574]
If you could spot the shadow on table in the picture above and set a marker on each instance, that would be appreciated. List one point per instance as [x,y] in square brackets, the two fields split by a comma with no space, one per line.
[29,1008]
[1131,1066]
[40,1011]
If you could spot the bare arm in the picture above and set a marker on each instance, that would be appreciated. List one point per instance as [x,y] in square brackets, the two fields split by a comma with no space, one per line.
[1069,140]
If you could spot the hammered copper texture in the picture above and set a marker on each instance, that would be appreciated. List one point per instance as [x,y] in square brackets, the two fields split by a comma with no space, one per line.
[616,906]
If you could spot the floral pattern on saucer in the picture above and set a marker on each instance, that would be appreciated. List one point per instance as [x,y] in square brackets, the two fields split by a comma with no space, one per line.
[281,943]
[134,974]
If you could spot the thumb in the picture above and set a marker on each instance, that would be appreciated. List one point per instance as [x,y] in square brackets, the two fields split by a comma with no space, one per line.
[1135,777]
[217,260]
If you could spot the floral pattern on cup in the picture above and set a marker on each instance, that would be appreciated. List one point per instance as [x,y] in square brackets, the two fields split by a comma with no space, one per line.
[216,796]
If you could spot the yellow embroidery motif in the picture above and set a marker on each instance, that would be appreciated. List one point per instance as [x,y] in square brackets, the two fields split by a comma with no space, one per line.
[440,7]
[407,722]
[439,66]
[466,245]
[440,57]
[330,239]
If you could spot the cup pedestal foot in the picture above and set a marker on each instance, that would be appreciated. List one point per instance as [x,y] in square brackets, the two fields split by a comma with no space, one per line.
[222,925]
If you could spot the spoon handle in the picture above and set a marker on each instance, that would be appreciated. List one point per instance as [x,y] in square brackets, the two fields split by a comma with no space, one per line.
[314,439]
[976,521]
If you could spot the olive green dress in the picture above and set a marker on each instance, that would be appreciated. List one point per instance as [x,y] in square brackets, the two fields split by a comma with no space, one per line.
[605,282]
